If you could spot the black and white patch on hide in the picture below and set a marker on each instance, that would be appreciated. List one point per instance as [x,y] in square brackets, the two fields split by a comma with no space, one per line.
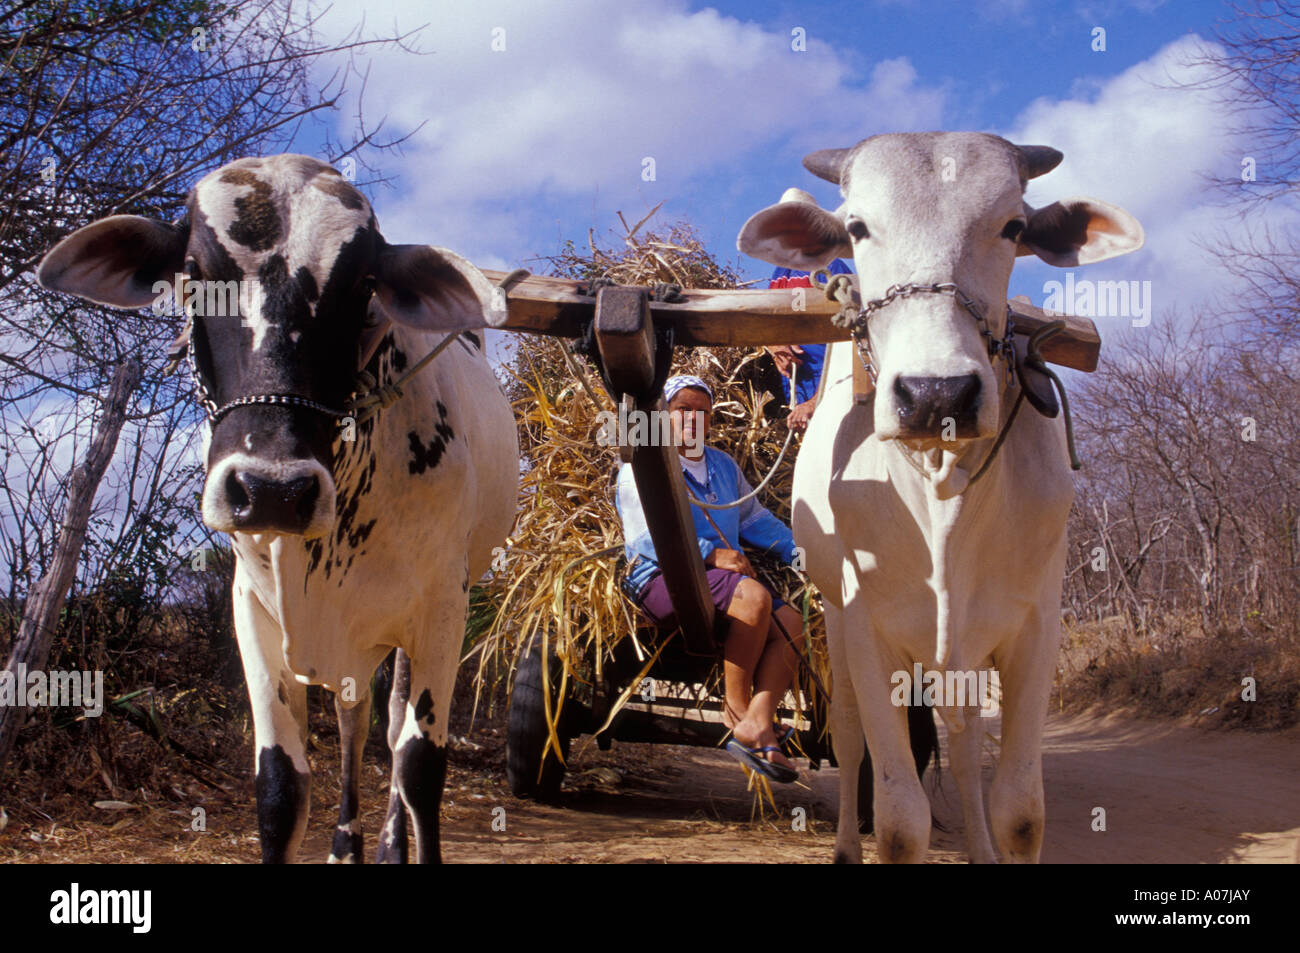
[426,454]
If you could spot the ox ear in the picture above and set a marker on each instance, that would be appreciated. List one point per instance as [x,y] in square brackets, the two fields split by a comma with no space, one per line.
[434,289]
[796,235]
[1079,231]
[115,261]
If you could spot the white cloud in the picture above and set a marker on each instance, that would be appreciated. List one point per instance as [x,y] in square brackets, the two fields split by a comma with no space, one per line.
[585,91]
[1143,141]
[537,142]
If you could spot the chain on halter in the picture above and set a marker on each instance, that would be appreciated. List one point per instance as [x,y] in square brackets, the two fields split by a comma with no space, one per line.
[857,318]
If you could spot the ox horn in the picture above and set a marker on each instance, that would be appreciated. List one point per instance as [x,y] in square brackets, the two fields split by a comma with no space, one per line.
[1039,160]
[827,164]
[797,195]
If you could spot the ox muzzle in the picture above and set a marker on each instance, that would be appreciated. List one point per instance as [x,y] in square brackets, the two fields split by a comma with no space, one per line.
[245,493]
[930,407]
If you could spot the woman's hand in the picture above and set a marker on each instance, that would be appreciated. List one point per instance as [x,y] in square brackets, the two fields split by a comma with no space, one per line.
[785,355]
[800,415]
[732,559]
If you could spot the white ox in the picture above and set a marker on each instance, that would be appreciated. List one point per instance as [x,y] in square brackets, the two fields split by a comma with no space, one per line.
[348,539]
[915,562]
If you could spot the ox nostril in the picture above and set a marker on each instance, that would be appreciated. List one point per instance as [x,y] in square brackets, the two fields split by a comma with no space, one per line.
[960,394]
[904,398]
[237,494]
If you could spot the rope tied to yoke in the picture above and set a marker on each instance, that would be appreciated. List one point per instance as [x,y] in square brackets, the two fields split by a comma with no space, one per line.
[1039,363]
[374,397]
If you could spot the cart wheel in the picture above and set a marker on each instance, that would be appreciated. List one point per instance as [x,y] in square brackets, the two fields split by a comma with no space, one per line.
[526,732]
[924,738]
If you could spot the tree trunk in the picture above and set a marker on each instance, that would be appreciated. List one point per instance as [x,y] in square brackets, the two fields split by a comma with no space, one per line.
[45,601]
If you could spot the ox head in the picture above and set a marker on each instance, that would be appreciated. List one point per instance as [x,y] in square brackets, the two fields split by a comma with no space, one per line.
[927,208]
[304,279]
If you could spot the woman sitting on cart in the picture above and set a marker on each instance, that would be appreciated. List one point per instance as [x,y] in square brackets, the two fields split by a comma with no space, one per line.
[758,659]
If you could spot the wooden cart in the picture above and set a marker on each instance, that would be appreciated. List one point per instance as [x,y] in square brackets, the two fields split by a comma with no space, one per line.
[632,338]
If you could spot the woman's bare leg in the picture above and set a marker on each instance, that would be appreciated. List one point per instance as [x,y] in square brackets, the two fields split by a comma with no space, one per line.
[774,673]
[749,615]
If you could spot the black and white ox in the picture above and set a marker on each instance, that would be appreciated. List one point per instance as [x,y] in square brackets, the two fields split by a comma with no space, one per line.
[917,560]
[350,536]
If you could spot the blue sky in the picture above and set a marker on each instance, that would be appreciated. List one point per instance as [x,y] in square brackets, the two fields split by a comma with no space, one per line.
[540,141]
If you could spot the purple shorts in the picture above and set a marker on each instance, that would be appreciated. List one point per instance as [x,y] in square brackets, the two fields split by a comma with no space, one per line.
[658,605]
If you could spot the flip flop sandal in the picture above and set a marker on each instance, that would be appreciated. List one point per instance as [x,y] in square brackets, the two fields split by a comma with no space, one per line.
[752,759]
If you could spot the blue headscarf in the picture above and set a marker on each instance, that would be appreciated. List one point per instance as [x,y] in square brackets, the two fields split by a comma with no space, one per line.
[674,384]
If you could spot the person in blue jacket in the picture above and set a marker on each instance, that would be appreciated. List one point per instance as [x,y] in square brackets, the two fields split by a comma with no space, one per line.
[807,358]
[758,659]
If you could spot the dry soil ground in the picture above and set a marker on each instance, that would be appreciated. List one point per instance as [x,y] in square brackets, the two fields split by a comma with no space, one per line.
[1172,793]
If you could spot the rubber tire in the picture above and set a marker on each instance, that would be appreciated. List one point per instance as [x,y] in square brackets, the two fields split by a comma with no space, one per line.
[924,740]
[526,732]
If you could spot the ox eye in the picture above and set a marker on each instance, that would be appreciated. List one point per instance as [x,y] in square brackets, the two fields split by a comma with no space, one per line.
[192,269]
[368,284]
[857,229]
[1013,230]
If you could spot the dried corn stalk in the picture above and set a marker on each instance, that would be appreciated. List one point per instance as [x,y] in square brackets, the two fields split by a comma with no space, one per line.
[567,507]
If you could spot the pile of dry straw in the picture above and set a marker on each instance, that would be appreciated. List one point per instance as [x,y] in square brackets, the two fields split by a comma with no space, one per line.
[547,588]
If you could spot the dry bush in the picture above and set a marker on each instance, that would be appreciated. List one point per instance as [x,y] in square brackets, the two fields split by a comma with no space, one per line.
[174,722]
[1185,534]
[1174,668]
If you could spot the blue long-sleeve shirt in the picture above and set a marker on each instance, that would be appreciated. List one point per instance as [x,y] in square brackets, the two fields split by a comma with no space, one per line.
[750,522]
[809,374]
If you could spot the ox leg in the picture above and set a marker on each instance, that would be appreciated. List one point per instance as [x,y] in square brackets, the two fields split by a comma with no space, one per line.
[279,704]
[900,806]
[846,736]
[964,751]
[354,726]
[392,839]
[420,758]
[1016,797]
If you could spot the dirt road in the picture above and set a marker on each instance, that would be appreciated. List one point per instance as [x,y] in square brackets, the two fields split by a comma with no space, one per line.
[1171,793]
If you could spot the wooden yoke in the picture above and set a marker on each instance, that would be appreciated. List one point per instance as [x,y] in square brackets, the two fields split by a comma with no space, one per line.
[625,338]
[706,317]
